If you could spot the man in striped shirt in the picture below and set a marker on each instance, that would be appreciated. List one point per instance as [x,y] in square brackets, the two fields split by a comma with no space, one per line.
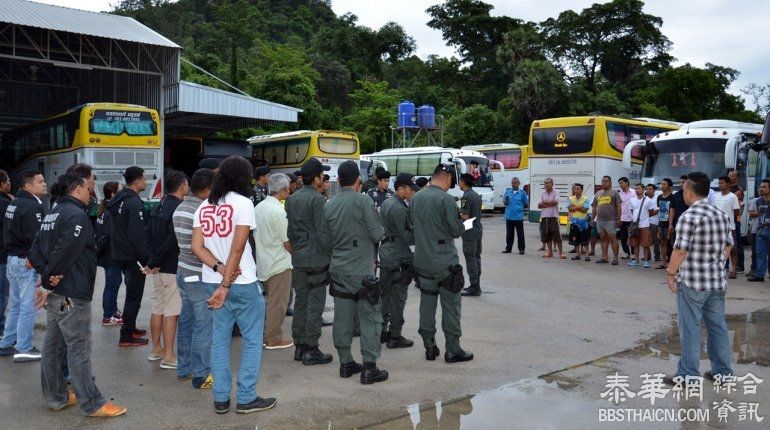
[696,274]
[195,322]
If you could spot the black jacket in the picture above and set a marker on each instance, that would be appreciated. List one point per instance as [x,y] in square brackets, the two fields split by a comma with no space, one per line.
[102,234]
[66,246]
[162,244]
[4,202]
[22,221]
[128,239]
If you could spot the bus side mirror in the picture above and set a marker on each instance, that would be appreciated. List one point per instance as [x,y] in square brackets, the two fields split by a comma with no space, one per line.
[628,150]
[731,152]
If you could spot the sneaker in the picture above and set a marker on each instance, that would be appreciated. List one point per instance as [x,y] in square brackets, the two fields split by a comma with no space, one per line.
[259,404]
[109,410]
[134,341]
[751,274]
[740,270]
[171,365]
[281,344]
[222,407]
[8,351]
[756,279]
[201,383]
[139,333]
[118,314]
[646,264]
[112,321]
[31,355]
[633,263]
[71,400]
[154,357]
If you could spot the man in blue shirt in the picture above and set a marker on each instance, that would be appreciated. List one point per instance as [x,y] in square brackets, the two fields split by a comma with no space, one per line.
[515,200]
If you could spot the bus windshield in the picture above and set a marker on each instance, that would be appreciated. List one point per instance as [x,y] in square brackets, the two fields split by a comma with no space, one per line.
[478,167]
[674,158]
[117,122]
[336,145]
[563,140]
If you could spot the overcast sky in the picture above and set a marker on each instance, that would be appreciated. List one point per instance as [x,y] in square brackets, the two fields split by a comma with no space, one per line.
[724,32]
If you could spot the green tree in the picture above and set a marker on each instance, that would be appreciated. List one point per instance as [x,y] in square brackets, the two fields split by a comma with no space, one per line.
[374,111]
[538,89]
[473,125]
[614,39]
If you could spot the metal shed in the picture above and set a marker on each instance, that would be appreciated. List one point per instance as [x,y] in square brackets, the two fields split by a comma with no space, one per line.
[53,58]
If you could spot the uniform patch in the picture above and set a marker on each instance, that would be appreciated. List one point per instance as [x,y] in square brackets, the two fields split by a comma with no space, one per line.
[78,228]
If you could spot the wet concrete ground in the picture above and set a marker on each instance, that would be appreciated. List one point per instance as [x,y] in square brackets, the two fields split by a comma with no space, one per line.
[546,334]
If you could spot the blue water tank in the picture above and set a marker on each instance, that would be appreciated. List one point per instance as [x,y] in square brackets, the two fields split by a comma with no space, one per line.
[426,116]
[406,116]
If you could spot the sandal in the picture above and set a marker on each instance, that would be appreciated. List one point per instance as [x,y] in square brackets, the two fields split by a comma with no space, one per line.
[732,275]
[575,258]
[614,262]
[562,256]
[547,255]
[601,261]
[588,258]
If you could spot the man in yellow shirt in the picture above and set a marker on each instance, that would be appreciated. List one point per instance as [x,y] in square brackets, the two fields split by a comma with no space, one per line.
[579,227]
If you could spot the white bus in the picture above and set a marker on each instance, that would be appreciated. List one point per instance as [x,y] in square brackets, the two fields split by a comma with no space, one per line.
[421,162]
[515,161]
[710,146]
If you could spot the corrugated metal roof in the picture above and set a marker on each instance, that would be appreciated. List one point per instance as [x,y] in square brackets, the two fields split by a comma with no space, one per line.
[27,13]
[202,99]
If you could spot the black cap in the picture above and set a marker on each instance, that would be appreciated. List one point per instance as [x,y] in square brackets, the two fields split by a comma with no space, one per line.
[298,173]
[421,181]
[261,171]
[312,168]
[405,179]
[209,163]
[383,174]
[292,178]
[347,173]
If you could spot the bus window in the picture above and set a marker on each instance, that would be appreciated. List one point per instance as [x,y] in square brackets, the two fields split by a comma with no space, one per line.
[336,145]
[511,159]
[390,162]
[427,163]
[620,134]
[296,150]
[275,153]
[406,163]
[563,140]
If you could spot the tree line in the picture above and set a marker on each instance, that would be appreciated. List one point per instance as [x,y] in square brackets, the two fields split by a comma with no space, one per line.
[609,58]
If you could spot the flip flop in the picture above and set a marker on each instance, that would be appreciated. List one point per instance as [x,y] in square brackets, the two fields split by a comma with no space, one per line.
[588,258]
[601,261]
[576,258]
[562,256]
[614,262]
[547,255]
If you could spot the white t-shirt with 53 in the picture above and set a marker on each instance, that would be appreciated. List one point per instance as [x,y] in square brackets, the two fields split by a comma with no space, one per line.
[217,223]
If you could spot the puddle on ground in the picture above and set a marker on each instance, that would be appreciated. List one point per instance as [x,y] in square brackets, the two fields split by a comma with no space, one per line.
[532,403]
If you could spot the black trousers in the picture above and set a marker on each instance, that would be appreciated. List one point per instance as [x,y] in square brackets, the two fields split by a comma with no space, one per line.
[134,279]
[514,228]
[622,235]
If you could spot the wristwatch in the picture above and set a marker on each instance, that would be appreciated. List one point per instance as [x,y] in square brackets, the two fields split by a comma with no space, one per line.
[669,273]
[216,266]
[45,291]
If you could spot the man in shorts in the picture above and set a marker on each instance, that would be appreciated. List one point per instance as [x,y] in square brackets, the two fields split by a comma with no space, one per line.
[642,208]
[606,217]
[579,227]
[549,219]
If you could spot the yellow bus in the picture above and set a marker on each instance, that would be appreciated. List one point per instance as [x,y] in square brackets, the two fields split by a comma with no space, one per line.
[108,136]
[582,149]
[515,164]
[287,152]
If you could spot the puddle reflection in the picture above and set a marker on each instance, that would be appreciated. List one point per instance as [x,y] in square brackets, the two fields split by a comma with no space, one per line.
[530,403]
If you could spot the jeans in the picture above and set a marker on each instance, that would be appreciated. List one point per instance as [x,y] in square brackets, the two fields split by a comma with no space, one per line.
[69,333]
[113,277]
[3,293]
[692,307]
[134,292]
[739,246]
[753,239]
[193,337]
[246,306]
[763,246]
[20,323]
[512,227]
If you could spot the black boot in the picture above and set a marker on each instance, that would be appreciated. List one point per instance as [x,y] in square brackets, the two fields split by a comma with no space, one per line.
[399,342]
[472,291]
[432,352]
[349,369]
[372,374]
[456,357]
[299,349]
[313,355]
[385,337]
